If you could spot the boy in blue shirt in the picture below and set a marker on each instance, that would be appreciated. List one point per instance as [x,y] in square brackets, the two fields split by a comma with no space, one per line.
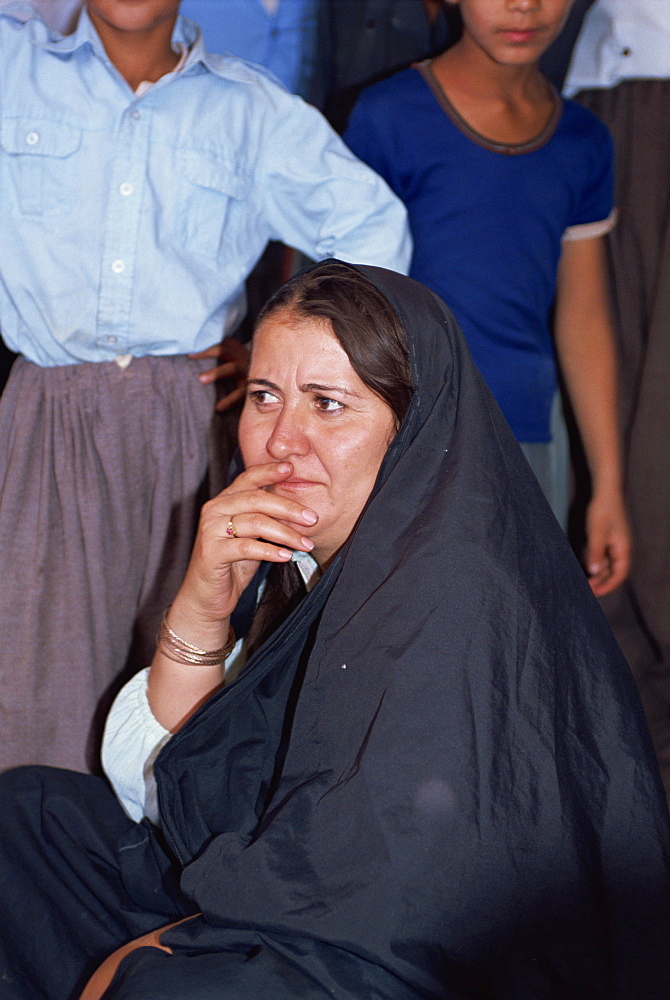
[509,194]
[141,178]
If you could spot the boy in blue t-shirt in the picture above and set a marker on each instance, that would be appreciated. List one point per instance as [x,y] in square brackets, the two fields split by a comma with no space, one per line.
[509,194]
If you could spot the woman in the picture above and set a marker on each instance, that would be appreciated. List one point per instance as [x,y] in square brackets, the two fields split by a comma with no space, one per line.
[432,779]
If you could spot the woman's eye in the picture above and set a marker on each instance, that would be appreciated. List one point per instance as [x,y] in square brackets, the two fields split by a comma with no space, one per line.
[328,405]
[262,396]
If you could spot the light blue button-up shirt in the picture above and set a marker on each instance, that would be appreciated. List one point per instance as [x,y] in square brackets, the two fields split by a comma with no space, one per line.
[129,224]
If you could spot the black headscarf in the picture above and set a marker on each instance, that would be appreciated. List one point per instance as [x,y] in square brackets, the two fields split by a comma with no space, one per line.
[434,780]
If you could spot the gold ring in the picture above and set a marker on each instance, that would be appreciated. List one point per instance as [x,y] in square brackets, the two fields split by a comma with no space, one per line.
[230,530]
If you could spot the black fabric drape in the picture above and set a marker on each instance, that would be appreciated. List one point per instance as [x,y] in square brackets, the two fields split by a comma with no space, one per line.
[461,799]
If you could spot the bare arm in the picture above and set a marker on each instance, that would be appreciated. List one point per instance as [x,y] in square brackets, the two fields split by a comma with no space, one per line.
[267,528]
[586,352]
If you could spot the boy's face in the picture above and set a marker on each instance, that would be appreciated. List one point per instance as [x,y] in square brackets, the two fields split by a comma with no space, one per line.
[133,15]
[513,32]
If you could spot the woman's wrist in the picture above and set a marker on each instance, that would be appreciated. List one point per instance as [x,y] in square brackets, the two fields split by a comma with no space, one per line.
[178,649]
[196,629]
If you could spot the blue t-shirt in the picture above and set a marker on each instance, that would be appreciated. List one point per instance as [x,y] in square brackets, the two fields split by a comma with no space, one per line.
[487,221]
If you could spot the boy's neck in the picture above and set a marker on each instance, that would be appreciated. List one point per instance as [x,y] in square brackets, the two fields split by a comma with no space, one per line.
[138,55]
[508,104]
[473,72]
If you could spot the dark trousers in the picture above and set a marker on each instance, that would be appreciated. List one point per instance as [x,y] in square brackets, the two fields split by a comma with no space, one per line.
[77,879]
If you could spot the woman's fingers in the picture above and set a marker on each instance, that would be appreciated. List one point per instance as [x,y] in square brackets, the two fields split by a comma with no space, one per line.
[249,495]
[241,551]
[244,525]
[261,476]
[231,528]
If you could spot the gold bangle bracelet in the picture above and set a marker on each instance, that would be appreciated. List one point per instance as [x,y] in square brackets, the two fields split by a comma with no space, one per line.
[180,651]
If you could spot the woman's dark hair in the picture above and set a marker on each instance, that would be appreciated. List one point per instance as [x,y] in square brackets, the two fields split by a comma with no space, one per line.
[363,320]
[373,338]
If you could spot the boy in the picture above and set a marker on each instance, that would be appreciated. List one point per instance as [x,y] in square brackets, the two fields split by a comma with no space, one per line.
[141,179]
[509,193]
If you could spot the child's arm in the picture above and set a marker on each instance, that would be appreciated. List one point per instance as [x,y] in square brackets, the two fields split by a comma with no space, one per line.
[586,352]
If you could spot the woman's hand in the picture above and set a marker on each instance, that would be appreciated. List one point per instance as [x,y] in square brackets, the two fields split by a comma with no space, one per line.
[240,528]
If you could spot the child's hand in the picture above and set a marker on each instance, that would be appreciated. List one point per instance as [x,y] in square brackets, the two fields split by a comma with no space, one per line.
[608,545]
[233,358]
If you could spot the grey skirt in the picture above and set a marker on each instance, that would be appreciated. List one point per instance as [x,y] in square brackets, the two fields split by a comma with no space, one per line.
[102,475]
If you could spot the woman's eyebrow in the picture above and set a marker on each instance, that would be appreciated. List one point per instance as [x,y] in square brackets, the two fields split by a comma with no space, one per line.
[316,387]
[306,387]
[262,381]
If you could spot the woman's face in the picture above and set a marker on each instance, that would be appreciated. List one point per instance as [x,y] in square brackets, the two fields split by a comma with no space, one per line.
[306,405]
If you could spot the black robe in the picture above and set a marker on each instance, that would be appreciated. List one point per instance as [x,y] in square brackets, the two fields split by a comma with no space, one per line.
[433,781]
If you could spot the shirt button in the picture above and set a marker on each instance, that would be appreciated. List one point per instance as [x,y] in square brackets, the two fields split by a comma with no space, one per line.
[136,115]
[118,266]
[625,52]
[32,138]
[111,340]
[126,189]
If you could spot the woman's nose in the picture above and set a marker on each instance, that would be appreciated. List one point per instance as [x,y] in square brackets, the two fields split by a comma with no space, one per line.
[288,437]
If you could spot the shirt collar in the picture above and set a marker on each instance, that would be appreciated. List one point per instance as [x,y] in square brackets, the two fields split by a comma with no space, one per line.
[308,567]
[185,33]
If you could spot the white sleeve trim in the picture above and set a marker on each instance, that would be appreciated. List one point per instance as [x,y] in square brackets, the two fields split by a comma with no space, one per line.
[131,742]
[133,739]
[591,230]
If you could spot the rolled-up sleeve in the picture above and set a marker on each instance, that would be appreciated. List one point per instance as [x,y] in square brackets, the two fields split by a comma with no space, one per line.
[320,198]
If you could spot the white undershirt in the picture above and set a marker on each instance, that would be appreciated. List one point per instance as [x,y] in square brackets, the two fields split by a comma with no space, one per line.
[133,737]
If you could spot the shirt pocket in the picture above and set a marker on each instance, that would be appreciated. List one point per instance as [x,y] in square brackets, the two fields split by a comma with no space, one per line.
[213,211]
[41,162]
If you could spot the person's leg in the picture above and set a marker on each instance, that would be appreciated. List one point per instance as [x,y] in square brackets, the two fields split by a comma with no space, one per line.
[551,462]
[77,879]
[253,973]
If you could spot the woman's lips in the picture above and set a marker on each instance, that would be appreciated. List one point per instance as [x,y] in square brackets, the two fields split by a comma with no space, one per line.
[297,484]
